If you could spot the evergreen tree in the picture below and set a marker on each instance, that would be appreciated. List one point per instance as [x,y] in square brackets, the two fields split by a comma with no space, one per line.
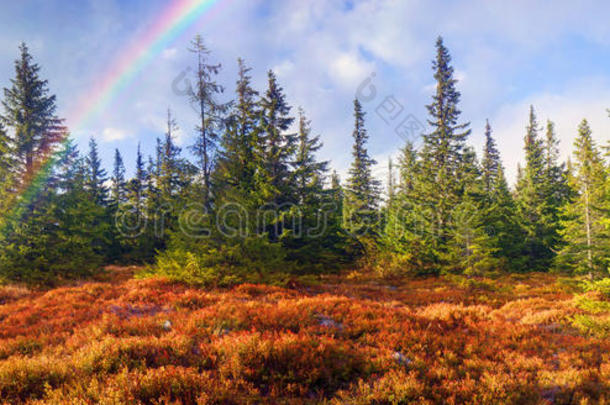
[442,178]
[391,183]
[29,110]
[497,207]
[531,201]
[310,236]
[309,174]
[81,227]
[336,195]
[117,188]
[116,206]
[491,161]
[236,163]
[139,244]
[276,147]
[96,175]
[210,113]
[171,165]
[583,230]
[407,168]
[6,170]
[61,233]
[361,194]
[275,153]
[136,188]
[554,186]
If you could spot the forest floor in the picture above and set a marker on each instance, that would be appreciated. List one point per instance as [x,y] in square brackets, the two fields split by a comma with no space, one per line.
[532,338]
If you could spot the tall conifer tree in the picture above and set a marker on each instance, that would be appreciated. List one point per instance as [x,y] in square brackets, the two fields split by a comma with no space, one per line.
[211,114]
[583,229]
[443,174]
[96,175]
[29,110]
[361,193]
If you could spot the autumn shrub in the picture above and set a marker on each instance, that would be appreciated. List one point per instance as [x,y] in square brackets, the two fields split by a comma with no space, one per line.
[290,364]
[361,340]
[602,286]
[395,387]
[112,354]
[22,378]
[252,259]
[592,325]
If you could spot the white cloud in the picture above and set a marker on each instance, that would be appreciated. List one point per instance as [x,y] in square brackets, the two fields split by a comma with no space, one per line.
[169,53]
[348,70]
[113,134]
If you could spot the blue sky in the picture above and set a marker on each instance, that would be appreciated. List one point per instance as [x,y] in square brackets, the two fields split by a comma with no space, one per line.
[507,55]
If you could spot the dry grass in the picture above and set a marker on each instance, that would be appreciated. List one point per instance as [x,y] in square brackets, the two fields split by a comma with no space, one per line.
[514,340]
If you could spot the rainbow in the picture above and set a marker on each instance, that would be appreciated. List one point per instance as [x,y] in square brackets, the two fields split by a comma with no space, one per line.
[172,22]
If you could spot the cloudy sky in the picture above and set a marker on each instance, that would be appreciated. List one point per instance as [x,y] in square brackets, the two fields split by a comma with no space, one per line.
[507,55]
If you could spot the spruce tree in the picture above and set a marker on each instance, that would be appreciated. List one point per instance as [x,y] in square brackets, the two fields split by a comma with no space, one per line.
[6,170]
[62,233]
[139,243]
[491,161]
[117,188]
[236,163]
[276,146]
[234,176]
[531,201]
[309,174]
[361,193]
[391,183]
[96,175]
[407,168]
[441,180]
[137,185]
[497,208]
[555,188]
[582,224]
[211,112]
[82,247]
[29,110]
[309,237]
[170,164]
[275,151]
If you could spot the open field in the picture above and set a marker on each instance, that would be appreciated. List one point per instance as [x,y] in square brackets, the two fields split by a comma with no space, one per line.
[519,339]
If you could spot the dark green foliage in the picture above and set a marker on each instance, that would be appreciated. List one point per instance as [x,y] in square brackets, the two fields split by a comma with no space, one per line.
[62,233]
[313,241]
[490,165]
[117,188]
[236,164]
[539,195]
[361,192]
[258,205]
[55,231]
[583,217]
[276,147]
[29,110]
[443,166]
[96,175]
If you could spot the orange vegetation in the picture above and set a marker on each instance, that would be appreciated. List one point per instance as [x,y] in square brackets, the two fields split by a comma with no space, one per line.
[342,341]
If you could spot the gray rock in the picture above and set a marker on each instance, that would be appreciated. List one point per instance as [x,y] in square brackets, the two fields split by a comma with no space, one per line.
[167,325]
[329,322]
[401,359]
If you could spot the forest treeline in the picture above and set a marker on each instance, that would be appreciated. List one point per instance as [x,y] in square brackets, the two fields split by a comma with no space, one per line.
[250,201]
